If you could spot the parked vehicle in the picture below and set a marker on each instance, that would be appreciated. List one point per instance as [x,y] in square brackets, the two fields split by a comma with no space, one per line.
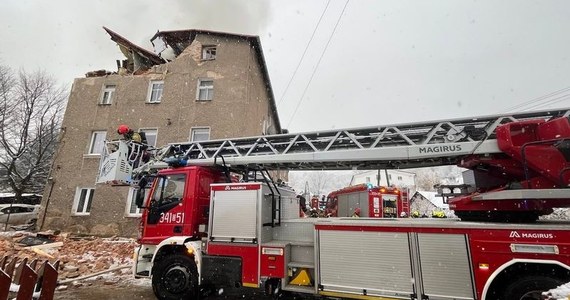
[373,202]
[17,214]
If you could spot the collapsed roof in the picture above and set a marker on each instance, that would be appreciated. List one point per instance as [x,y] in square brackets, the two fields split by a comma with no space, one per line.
[139,60]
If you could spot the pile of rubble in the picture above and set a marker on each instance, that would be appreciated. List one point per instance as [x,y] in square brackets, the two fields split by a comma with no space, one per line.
[78,256]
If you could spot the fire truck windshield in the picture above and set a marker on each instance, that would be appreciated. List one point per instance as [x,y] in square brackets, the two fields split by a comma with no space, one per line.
[169,189]
[167,194]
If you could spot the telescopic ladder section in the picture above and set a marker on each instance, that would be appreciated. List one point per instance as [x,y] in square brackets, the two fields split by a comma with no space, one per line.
[484,144]
[395,146]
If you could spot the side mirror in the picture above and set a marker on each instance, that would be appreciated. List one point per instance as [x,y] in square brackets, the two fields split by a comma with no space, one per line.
[139,197]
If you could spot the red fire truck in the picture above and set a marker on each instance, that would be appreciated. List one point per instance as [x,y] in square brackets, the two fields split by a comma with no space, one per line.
[373,202]
[202,230]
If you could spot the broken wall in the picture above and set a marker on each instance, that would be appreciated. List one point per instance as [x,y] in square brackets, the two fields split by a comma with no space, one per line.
[239,107]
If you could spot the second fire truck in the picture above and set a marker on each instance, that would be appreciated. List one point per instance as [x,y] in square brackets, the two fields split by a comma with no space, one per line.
[204,230]
[370,201]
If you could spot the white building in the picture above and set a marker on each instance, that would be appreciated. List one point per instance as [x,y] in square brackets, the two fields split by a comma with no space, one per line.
[385,178]
[427,202]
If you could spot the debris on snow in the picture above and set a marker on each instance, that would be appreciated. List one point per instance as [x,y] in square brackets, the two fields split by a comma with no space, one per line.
[78,256]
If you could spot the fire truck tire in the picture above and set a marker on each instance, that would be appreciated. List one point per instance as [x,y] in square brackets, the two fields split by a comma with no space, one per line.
[529,287]
[175,277]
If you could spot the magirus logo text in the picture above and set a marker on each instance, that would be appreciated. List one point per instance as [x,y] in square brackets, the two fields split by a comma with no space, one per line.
[531,235]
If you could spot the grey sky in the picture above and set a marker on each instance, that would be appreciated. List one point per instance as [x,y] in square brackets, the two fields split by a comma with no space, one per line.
[388,61]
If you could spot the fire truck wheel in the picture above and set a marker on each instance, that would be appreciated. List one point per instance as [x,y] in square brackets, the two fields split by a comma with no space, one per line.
[175,277]
[530,287]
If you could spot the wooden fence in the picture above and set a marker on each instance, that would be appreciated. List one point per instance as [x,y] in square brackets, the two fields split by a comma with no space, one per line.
[27,280]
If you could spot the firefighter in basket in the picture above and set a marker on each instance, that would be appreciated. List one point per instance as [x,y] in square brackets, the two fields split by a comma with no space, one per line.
[130,135]
[137,149]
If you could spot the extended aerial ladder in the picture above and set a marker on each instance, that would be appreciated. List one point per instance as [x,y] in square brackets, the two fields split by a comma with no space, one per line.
[522,158]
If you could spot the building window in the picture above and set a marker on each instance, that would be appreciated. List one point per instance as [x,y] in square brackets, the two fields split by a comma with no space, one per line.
[150,135]
[107,95]
[208,52]
[82,201]
[205,89]
[155,91]
[367,179]
[199,134]
[97,142]
[399,177]
[132,209]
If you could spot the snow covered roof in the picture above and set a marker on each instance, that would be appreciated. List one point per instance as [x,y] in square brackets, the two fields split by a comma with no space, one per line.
[431,196]
[5,195]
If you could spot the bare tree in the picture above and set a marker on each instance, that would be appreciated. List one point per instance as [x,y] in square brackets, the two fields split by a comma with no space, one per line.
[31,110]
[319,182]
[426,179]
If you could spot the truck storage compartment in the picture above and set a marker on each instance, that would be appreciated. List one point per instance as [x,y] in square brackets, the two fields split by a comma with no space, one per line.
[444,260]
[365,263]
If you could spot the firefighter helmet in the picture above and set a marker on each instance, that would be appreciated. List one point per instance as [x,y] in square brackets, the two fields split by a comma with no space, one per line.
[123,129]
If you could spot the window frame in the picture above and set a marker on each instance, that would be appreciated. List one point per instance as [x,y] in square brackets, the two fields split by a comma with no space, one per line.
[193,129]
[199,88]
[87,204]
[151,89]
[90,150]
[209,56]
[110,89]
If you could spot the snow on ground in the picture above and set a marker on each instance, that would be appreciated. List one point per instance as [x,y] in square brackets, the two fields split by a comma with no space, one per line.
[560,293]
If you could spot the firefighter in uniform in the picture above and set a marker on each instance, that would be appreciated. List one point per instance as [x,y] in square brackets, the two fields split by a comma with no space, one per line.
[130,135]
[137,150]
[302,206]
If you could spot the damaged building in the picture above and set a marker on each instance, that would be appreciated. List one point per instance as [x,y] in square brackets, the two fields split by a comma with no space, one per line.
[195,85]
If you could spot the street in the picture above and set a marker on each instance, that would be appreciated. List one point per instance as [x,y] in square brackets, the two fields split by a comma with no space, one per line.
[135,289]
